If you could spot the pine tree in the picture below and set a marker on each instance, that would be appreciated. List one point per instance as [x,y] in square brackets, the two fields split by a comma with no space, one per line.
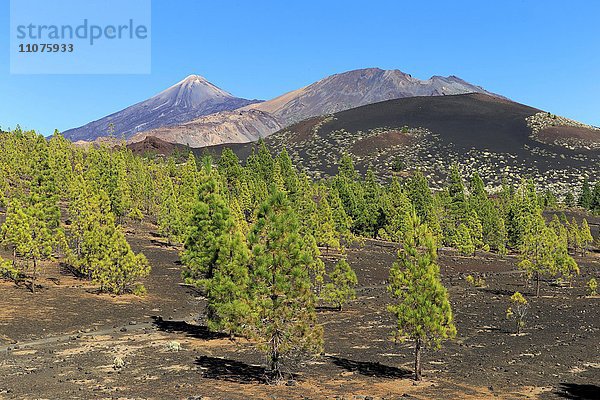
[284,302]
[290,176]
[105,256]
[569,199]
[550,200]
[230,168]
[15,229]
[211,218]
[559,228]
[464,241]
[343,222]
[493,230]
[595,206]
[586,237]
[119,268]
[371,218]
[422,200]
[229,306]
[238,216]
[90,231]
[421,304]
[396,211]
[586,197]
[169,220]
[43,194]
[346,168]
[456,190]
[278,181]
[187,195]
[27,230]
[80,210]
[518,311]
[523,210]
[260,163]
[544,253]
[574,239]
[305,205]
[120,195]
[340,288]
[326,234]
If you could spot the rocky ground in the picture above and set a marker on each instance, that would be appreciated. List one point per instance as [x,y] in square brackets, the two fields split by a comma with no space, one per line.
[62,342]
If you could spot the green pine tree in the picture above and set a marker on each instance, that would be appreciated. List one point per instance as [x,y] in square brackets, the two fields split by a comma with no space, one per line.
[396,210]
[463,240]
[586,237]
[326,234]
[545,253]
[169,220]
[340,288]
[118,269]
[211,218]
[27,231]
[420,301]
[284,302]
[229,308]
[595,206]
[569,199]
[586,197]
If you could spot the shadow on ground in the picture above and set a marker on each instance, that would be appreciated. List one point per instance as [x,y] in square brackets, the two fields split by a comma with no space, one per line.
[575,391]
[500,292]
[373,369]
[230,370]
[327,309]
[193,331]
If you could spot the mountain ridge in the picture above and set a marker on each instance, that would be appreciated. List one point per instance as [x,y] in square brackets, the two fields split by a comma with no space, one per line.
[331,94]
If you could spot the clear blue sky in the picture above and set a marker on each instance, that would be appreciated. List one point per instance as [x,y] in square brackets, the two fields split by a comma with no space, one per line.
[542,53]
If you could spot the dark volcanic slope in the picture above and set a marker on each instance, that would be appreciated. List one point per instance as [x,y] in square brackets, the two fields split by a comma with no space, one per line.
[480,132]
[471,120]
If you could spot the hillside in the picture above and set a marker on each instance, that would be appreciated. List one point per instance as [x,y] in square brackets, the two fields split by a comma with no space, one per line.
[224,127]
[481,132]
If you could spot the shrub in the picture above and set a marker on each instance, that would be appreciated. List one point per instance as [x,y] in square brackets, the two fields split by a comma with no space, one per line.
[118,362]
[592,286]
[475,281]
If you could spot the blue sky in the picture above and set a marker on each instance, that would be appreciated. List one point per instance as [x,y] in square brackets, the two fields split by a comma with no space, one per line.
[542,53]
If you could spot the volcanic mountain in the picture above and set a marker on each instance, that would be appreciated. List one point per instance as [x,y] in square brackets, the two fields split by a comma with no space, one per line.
[329,95]
[191,98]
[497,137]
[356,88]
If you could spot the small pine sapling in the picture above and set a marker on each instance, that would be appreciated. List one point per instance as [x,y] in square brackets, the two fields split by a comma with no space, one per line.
[518,311]
[592,286]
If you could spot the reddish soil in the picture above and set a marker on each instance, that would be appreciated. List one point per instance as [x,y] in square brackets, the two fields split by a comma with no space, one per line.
[569,132]
[304,130]
[383,141]
[61,342]
[154,145]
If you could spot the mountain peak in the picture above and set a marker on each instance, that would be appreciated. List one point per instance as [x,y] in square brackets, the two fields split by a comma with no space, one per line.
[188,99]
[193,79]
[195,89]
